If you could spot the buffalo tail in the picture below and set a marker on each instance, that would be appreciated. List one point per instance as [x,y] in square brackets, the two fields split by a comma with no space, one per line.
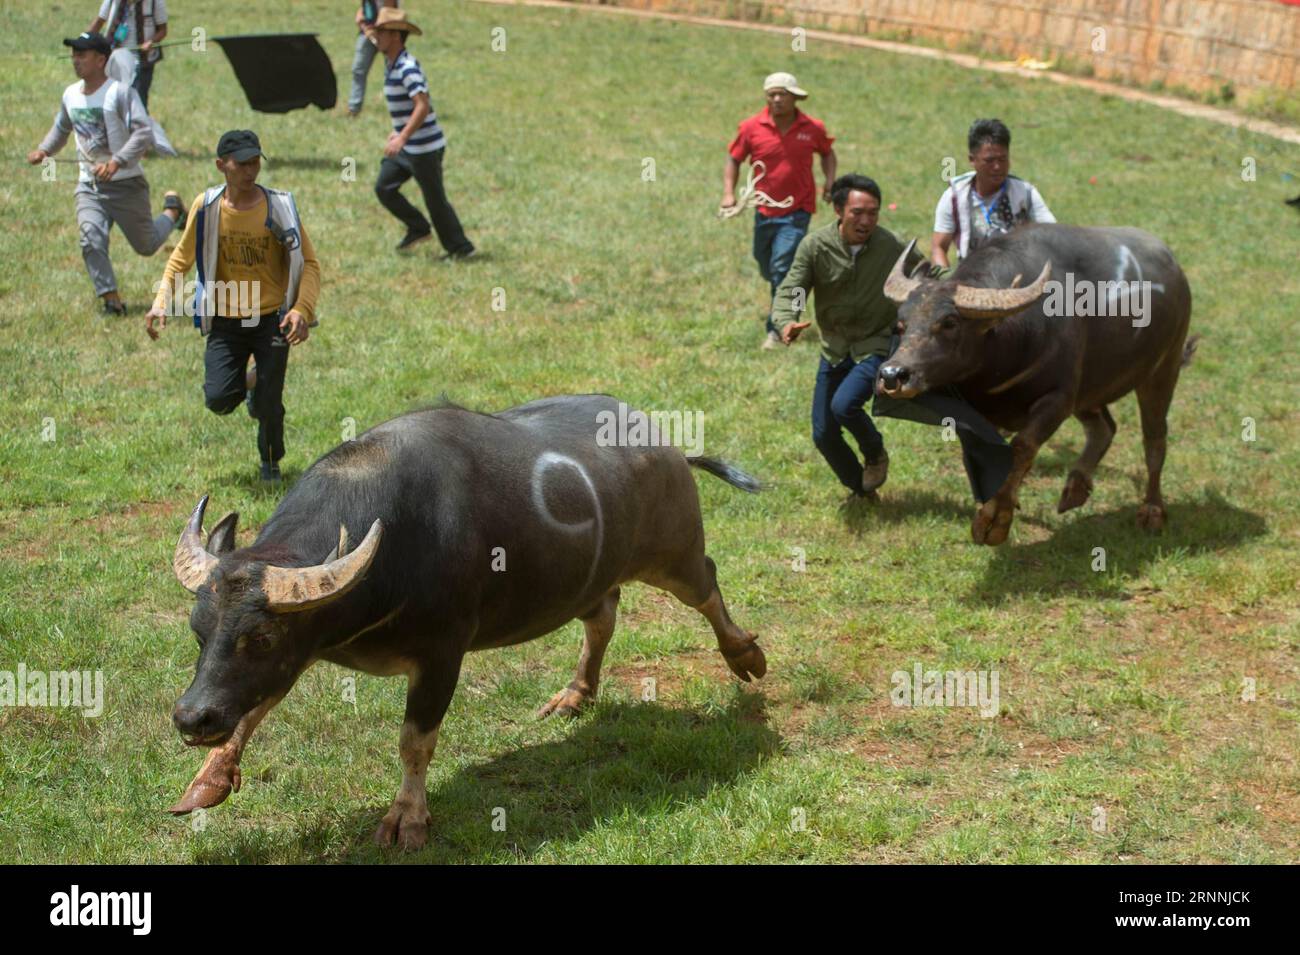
[732,475]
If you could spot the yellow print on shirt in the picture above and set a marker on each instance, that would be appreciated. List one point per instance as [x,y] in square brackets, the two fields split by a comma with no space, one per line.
[246,251]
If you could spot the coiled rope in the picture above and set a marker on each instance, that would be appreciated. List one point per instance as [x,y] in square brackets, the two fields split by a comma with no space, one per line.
[751,196]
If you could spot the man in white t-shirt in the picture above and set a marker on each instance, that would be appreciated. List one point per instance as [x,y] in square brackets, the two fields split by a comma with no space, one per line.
[135,23]
[112,133]
[986,202]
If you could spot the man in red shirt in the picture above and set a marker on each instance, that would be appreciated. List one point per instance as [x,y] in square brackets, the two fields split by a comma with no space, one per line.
[783,139]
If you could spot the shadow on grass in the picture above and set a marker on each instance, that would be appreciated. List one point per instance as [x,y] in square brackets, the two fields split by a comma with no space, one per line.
[621,759]
[249,478]
[1057,459]
[1063,563]
[862,516]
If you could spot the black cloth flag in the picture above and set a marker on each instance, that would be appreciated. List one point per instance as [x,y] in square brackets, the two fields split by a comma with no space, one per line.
[283,71]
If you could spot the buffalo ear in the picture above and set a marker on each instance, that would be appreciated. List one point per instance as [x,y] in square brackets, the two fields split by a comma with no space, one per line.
[340,548]
[222,538]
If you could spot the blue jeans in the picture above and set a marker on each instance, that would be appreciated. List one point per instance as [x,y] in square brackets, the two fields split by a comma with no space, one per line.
[775,239]
[839,400]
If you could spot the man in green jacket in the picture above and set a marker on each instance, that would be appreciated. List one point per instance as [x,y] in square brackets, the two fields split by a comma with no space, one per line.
[844,266]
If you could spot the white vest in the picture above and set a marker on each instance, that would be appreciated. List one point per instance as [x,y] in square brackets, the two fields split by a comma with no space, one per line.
[281,219]
[1019,194]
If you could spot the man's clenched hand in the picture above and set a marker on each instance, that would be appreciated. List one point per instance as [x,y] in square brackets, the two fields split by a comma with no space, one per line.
[155,313]
[294,327]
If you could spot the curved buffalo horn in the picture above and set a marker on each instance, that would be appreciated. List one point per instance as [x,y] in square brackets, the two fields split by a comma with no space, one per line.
[899,286]
[977,303]
[192,562]
[289,589]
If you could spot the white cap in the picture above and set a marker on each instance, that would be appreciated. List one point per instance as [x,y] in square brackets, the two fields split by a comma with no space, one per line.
[784,81]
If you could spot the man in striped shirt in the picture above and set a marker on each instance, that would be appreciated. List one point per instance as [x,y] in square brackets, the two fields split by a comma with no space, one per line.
[415,146]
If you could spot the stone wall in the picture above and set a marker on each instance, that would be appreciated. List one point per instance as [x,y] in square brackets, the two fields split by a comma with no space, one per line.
[1194,44]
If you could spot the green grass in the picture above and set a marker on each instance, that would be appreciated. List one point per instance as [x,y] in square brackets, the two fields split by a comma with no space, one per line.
[1119,689]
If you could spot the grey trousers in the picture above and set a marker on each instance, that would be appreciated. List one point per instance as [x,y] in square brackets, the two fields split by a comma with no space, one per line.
[361,60]
[126,202]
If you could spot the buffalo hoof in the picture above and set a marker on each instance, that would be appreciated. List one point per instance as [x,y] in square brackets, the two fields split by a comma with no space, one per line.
[218,778]
[991,524]
[405,827]
[1077,490]
[747,663]
[1151,517]
[567,703]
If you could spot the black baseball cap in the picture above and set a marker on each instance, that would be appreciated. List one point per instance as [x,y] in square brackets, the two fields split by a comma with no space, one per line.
[90,41]
[240,145]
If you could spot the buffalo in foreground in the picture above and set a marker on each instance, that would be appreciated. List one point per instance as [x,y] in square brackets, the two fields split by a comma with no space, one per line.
[1028,357]
[476,531]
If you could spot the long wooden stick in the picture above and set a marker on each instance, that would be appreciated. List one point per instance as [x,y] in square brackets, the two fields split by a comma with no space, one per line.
[184,41]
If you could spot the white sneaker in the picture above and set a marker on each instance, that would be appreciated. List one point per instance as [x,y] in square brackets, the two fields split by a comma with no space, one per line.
[771,341]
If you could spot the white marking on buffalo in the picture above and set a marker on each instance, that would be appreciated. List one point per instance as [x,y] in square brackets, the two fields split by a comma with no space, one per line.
[594,524]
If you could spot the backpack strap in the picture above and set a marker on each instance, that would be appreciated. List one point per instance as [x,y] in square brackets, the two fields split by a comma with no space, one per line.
[198,261]
[200,246]
[956,218]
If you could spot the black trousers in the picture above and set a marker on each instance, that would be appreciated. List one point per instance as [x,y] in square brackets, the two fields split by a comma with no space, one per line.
[224,363]
[427,170]
[143,80]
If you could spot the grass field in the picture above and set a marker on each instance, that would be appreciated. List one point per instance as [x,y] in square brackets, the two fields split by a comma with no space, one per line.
[1120,690]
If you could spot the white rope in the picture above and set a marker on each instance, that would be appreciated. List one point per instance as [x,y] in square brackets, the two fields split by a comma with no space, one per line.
[751,196]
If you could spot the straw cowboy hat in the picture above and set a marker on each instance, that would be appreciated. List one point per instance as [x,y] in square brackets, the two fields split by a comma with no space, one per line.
[391,18]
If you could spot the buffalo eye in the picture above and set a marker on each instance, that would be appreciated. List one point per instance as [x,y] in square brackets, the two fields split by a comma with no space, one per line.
[260,641]
[948,324]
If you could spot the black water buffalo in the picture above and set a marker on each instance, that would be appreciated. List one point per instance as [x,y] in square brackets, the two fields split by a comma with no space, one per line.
[476,531]
[1028,357]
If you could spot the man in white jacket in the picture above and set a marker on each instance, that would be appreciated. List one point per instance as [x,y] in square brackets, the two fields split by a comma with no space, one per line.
[986,202]
[112,133]
[255,291]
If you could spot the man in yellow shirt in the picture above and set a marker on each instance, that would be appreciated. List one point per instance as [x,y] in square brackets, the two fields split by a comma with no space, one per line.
[255,294]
